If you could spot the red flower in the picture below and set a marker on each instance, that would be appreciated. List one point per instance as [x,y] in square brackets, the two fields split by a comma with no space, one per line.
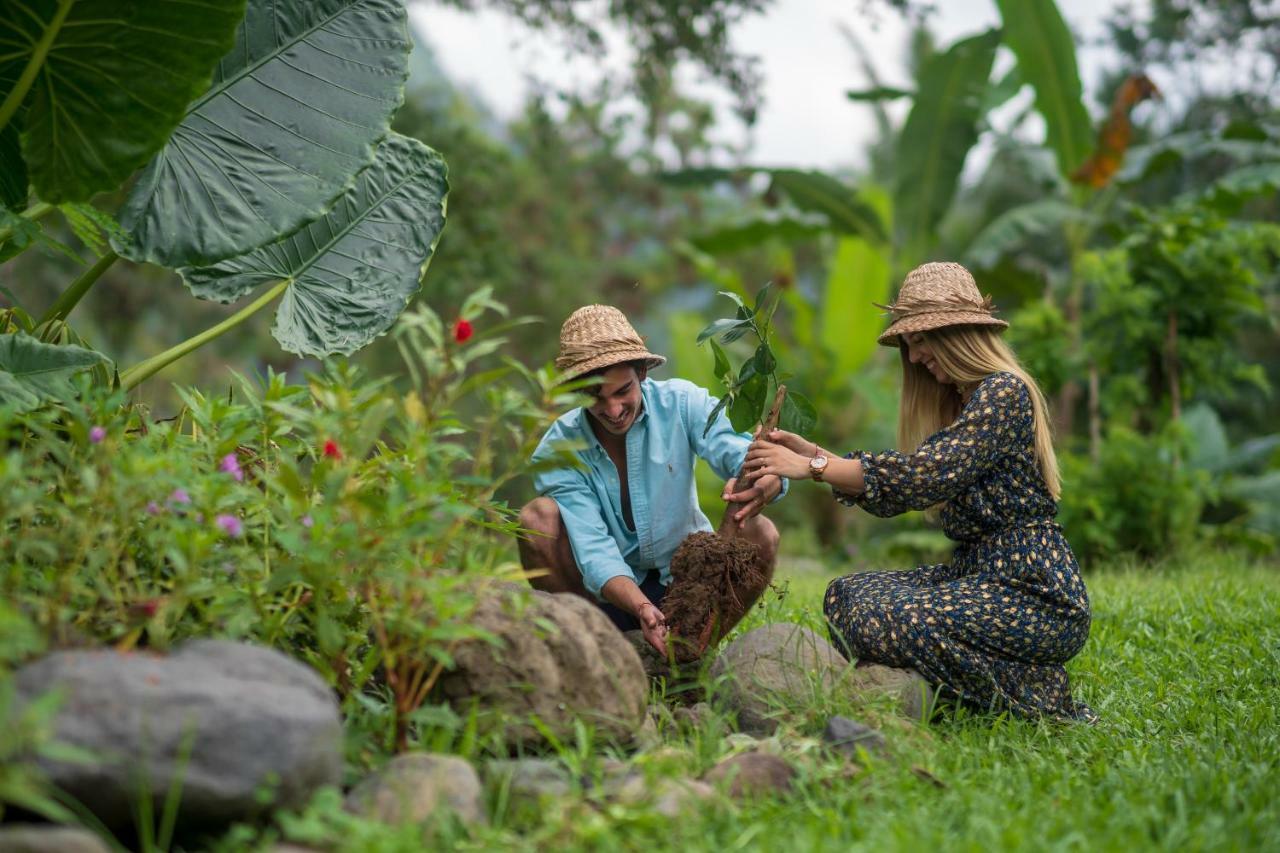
[462,331]
[331,449]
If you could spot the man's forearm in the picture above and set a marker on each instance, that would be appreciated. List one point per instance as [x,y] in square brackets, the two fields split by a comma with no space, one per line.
[623,592]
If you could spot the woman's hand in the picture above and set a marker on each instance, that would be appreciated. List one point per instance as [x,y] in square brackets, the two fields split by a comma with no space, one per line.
[766,457]
[791,441]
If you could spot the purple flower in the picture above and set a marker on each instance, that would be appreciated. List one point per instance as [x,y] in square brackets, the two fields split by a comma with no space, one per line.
[229,525]
[153,508]
[179,496]
[231,465]
[97,433]
[307,521]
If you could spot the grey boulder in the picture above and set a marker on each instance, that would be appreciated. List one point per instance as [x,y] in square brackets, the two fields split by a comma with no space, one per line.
[219,720]
[772,668]
[414,787]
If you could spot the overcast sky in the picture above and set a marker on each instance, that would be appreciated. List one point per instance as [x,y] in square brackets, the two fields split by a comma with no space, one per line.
[806,120]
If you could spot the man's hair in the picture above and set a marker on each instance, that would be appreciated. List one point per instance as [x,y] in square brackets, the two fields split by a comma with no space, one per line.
[639,364]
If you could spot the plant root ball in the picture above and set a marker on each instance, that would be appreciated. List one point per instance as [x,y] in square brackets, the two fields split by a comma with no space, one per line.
[714,581]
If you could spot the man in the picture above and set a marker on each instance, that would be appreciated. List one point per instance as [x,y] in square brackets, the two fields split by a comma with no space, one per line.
[606,530]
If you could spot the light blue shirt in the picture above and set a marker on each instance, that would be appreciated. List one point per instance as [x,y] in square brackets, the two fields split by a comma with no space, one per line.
[662,447]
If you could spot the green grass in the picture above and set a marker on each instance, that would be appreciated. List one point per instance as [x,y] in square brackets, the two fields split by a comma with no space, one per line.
[1183,665]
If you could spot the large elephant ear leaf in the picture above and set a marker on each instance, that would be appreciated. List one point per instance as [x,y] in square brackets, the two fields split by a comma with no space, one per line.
[350,273]
[295,110]
[99,84]
[33,372]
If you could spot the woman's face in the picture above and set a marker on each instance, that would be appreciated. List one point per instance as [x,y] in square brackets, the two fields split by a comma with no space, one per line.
[920,351]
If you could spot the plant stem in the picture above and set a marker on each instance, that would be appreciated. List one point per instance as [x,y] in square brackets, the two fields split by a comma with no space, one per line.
[145,369]
[39,210]
[72,295]
[34,64]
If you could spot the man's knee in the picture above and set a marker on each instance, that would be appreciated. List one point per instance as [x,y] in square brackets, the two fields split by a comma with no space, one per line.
[764,534]
[541,515]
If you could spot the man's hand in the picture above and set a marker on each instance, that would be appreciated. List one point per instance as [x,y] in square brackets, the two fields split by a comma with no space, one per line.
[654,626]
[754,495]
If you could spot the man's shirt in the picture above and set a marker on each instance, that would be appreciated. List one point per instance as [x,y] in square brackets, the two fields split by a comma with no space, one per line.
[663,445]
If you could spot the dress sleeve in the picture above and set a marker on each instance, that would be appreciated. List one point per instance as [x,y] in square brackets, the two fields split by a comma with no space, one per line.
[995,422]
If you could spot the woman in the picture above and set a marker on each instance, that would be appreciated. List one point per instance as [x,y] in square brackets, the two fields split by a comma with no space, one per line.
[993,627]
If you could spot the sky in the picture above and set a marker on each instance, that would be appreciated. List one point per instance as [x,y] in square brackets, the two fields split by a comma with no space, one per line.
[807,64]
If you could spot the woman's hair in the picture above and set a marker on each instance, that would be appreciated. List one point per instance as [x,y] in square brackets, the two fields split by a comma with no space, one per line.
[968,354]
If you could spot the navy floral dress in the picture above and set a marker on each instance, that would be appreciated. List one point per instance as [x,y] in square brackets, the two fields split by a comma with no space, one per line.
[994,627]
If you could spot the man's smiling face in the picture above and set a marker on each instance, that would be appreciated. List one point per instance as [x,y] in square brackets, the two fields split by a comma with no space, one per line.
[615,402]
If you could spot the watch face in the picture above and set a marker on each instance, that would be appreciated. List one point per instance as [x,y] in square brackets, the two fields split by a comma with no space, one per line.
[818,463]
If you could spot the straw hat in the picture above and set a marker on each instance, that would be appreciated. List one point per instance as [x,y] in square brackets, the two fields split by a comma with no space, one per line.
[937,295]
[597,336]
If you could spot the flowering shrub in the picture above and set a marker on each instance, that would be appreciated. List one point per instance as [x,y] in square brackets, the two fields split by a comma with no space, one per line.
[245,517]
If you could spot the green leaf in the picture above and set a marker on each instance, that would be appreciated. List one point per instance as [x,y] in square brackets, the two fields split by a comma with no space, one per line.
[721,404]
[32,372]
[941,128]
[1240,185]
[748,403]
[1039,38]
[115,82]
[13,172]
[295,111]
[798,414]
[759,228]
[765,363]
[859,276]
[722,366]
[762,295]
[818,192]
[879,93]
[1017,228]
[1002,91]
[352,272]
[719,327]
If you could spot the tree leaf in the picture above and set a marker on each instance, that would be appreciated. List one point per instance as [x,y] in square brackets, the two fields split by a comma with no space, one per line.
[798,414]
[1039,38]
[1017,227]
[295,111]
[721,404]
[32,372]
[115,82]
[1001,91]
[750,232]
[352,272]
[941,128]
[858,276]
[748,404]
[1240,185]
[878,93]
[818,192]
[722,366]
[765,363]
[719,327]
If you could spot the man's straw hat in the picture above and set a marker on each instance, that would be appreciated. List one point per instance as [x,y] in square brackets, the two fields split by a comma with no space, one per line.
[597,336]
[937,295]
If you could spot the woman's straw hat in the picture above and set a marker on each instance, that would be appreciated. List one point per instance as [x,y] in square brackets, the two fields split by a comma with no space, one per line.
[597,336]
[937,295]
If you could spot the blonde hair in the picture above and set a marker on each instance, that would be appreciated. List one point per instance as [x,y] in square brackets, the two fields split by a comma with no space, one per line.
[967,354]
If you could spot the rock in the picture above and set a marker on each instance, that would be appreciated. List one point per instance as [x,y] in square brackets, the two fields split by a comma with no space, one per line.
[413,787]
[752,774]
[775,665]
[848,736]
[673,797]
[529,779]
[915,697]
[249,717]
[694,715]
[45,838]
[580,668]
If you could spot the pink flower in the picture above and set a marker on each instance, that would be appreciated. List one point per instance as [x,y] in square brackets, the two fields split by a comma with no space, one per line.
[307,521]
[153,508]
[462,331]
[331,449]
[96,434]
[229,525]
[231,465]
[179,496]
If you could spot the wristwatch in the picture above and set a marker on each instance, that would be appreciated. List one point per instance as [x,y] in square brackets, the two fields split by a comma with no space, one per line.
[818,466]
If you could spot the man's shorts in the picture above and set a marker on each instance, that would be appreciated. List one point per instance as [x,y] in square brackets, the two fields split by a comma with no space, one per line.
[653,589]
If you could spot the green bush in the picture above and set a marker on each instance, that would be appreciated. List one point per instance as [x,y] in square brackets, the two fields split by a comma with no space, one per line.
[342,521]
[1134,498]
